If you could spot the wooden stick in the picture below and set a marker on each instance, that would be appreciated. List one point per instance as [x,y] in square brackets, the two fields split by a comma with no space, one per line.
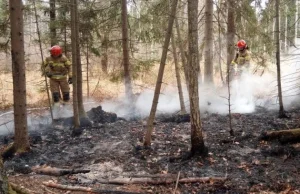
[45,188]
[83,189]
[47,170]
[67,187]
[156,181]
[177,183]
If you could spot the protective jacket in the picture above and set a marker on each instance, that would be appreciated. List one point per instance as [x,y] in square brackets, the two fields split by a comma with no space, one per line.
[57,68]
[243,59]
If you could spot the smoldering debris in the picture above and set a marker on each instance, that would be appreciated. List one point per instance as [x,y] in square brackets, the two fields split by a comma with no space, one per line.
[96,115]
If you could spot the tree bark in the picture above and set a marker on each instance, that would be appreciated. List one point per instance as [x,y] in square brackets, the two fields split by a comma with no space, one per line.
[21,142]
[197,141]
[220,45]
[87,70]
[52,23]
[104,59]
[147,139]
[208,57]
[231,30]
[178,78]
[84,120]
[125,44]
[74,65]
[42,56]
[277,34]
[4,186]
[181,49]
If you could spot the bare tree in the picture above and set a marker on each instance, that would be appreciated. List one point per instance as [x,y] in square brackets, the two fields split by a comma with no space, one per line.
[277,35]
[197,141]
[42,56]
[126,64]
[178,78]
[208,57]
[147,139]
[74,64]
[21,142]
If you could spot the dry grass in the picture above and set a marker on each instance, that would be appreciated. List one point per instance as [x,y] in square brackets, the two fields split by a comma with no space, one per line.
[101,88]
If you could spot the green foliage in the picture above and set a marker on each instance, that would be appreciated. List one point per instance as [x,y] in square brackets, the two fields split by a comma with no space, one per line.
[95,51]
[4,27]
[149,25]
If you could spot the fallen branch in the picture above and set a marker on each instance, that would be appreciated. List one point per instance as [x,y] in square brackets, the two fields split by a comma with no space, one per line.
[47,170]
[176,185]
[67,187]
[284,136]
[161,180]
[83,189]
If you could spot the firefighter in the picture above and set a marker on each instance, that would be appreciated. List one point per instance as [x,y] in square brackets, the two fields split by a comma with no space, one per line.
[58,69]
[242,59]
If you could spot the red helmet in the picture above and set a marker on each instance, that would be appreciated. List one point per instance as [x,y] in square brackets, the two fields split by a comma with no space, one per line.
[241,44]
[56,51]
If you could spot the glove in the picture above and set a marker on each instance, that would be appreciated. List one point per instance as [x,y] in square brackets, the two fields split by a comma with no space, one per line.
[49,75]
[70,80]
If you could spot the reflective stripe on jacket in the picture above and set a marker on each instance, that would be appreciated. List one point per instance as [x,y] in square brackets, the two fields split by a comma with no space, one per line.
[243,58]
[58,67]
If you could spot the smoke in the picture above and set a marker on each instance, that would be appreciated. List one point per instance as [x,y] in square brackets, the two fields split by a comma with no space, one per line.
[249,92]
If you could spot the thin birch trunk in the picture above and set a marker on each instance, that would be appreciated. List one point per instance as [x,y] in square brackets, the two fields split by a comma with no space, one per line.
[147,139]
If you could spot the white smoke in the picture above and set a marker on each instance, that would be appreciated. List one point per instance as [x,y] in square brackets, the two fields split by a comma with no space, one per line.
[247,93]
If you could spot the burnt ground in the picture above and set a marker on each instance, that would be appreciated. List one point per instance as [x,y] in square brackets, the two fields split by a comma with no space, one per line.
[112,150]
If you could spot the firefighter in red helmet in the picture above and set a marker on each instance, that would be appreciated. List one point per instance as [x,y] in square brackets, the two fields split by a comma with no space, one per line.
[242,58]
[58,69]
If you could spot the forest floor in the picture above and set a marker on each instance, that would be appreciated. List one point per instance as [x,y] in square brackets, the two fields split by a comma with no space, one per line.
[113,150]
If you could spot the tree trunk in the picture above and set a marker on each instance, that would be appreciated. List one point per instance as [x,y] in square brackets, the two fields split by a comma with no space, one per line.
[104,59]
[42,56]
[292,22]
[277,32]
[230,54]
[181,49]
[197,141]
[21,142]
[177,72]
[84,120]
[230,32]
[282,23]
[87,70]
[52,23]
[147,140]
[208,57]
[4,186]
[65,34]
[220,46]
[74,64]
[125,43]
